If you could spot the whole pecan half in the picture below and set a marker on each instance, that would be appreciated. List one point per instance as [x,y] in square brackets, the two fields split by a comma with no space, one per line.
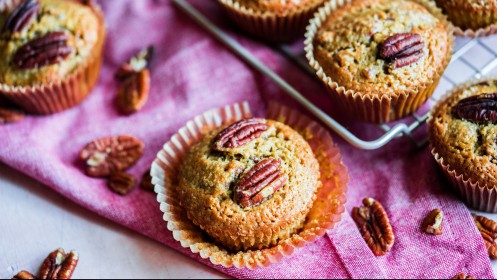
[463,276]
[46,50]
[24,275]
[22,16]
[479,108]
[262,181]
[10,115]
[374,225]
[433,223]
[402,49]
[240,133]
[488,230]
[121,183]
[146,182]
[133,92]
[59,265]
[107,155]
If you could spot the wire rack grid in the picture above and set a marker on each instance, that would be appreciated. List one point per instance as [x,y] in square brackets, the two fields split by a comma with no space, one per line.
[463,67]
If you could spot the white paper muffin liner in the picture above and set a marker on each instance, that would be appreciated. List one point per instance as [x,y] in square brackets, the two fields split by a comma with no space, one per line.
[326,210]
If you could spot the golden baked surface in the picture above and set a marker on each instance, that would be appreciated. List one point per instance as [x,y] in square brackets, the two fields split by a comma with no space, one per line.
[80,22]
[277,6]
[469,148]
[348,43]
[470,14]
[207,179]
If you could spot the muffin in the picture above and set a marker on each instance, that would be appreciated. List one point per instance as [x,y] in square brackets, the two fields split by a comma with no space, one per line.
[272,20]
[380,59]
[463,133]
[52,53]
[249,185]
[472,16]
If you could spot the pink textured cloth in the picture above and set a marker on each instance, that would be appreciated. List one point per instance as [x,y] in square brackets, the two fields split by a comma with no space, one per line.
[192,73]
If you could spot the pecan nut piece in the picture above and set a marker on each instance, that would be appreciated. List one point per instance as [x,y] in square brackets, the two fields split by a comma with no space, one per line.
[374,225]
[133,92]
[146,182]
[49,49]
[463,276]
[10,116]
[433,223]
[22,16]
[240,133]
[107,155]
[59,265]
[488,230]
[135,64]
[24,275]
[480,109]
[402,49]
[121,183]
[262,181]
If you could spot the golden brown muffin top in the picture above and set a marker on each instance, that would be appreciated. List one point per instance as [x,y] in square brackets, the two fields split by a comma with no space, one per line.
[474,3]
[81,23]
[207,179]
[468,147]
[347,46]
[277,6]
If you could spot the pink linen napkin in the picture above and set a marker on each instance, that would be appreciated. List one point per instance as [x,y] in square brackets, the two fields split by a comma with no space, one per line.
[192,73]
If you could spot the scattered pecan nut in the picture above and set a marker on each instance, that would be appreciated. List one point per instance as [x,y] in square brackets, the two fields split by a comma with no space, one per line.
[24,275]
[433,223]
[488,230]
[22,16]
[262,181]
[133,92]
[135,64]
[59,265]
[146,182]
[463,276]
[49,49]
[374,225]
[240,133]
[479,108]
[10,116]
[107,155]
[121,183]
[402,49]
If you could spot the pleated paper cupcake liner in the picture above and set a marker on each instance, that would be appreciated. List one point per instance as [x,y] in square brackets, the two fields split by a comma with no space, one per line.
[64,94]
[270,27]
[373,108]
[474,194]
[8,5]
[325,213]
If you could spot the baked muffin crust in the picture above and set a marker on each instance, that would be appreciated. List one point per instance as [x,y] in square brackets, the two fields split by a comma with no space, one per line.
[80,22]
[470,14]
[207,179]
[277,6]
[347,46]
[467,147]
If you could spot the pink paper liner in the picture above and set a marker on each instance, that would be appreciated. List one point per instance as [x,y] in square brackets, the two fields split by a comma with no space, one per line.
[8,5]
[475,195]
[64,94]
[271,27]
[364,106]
[325,213]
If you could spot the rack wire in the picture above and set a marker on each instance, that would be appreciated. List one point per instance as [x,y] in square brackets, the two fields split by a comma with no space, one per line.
[404,128]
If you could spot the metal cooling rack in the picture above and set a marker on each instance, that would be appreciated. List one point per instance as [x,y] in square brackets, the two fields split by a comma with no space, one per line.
[463,65]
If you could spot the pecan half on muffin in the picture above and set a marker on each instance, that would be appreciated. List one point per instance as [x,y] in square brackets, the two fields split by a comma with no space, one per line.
[249,185]
[463,137]
[380,59]
[51,53]
[272,20]
[472,15]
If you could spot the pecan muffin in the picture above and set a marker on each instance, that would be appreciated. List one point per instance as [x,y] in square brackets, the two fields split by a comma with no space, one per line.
[272,20]
[471,14]
[380,59]
[249,185]
[463,135]
[52,53]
